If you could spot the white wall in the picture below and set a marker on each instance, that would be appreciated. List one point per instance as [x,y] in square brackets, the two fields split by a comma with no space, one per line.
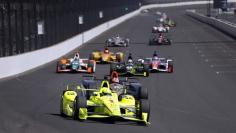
[222,25]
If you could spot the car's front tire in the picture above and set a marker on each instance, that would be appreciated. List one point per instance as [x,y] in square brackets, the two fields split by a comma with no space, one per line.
[61,107]
[143,93]
[80,102]
[144,108]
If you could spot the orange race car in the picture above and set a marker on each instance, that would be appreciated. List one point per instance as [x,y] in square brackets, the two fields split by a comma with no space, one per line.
[76,65]
[106,56]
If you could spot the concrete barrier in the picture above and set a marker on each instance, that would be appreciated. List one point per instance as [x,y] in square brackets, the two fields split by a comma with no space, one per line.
[14,65]
[222,25]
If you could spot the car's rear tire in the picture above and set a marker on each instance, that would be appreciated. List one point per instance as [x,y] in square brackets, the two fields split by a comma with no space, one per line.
[170,69]
[146,70]
[150,42]
[58,67]
[168,42]
[127,42]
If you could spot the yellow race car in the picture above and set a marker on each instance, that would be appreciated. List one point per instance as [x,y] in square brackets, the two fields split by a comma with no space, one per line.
[106,56]
[86,101]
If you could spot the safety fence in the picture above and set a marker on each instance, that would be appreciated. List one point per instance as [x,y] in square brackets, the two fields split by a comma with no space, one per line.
[27,25]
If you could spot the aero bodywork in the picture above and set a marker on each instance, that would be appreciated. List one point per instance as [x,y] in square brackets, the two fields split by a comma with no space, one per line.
[160,29]
[83,103]
[125,69]
[117,42]
[157,40]
[80,65]
[101,57]
[160,65]
[170,23]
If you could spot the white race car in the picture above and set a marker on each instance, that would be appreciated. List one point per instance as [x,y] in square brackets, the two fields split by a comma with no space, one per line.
[160,29]
[117,41]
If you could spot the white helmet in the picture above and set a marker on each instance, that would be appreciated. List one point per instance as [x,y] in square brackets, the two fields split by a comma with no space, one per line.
[130,61]
[155,58]
[161,20]
[117,36]
[77,56]
[141,61]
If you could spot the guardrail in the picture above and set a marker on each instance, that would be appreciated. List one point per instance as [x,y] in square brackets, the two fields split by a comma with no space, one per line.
[224,26]
[14,65]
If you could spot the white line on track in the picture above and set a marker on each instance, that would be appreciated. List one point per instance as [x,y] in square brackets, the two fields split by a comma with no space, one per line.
[218,51]
[220,59]
[225,72]
[220,56]
[225,65]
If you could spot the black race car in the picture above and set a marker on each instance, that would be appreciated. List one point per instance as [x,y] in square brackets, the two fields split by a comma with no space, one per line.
[159,39]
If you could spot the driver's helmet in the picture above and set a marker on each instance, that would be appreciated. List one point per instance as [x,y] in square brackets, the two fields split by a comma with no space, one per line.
[155,58]
[114,77]
[115,80]
[141,61]
[106,51]
[105,91]
[130,61]
[117,36]
[76,56]
[161,20]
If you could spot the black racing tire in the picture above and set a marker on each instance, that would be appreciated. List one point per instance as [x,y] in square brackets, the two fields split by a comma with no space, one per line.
[143,93]
[127,42]
[80,102]
[146,69]
[61,107]
[170,65]
[150,42]
[144,108]
[58,67]
[168,42]
[120,97]
[170,69]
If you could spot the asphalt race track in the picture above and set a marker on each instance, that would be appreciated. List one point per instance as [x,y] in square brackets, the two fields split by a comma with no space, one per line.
[199,97]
